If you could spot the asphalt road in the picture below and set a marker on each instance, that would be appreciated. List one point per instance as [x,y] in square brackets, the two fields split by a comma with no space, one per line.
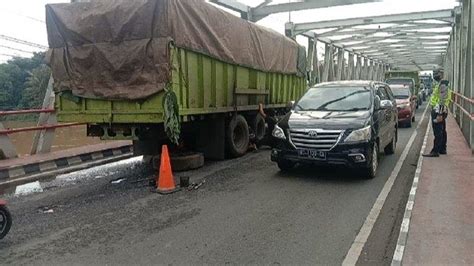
[246,212]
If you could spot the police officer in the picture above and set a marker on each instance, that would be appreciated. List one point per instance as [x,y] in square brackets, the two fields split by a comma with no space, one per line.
[439,102]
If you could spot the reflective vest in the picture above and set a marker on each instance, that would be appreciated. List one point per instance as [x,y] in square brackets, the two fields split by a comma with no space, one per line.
[436,97]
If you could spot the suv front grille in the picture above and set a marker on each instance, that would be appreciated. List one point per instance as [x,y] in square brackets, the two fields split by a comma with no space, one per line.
[318,139]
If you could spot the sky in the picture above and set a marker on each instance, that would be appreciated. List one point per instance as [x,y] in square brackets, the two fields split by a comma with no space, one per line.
[24,19]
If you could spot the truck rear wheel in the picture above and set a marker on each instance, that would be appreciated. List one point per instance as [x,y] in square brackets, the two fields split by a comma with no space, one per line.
[258,126]
[237,136]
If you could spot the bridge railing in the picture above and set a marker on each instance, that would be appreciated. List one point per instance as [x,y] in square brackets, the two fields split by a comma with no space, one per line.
[464,104]
[459,68]
[43,138]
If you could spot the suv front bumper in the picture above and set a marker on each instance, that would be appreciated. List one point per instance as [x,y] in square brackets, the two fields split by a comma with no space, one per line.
[355,155]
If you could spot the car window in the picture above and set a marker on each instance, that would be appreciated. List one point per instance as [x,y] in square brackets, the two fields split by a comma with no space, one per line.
[382,93]
[389,93]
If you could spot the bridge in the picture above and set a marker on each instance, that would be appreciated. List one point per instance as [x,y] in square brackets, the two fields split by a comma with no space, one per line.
[98,208]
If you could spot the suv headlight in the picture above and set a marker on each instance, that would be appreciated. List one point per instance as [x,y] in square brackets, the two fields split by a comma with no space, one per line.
[278,132]
[359,135]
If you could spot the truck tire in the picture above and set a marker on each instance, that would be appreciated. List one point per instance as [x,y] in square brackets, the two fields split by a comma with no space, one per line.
[5,221]
[259,127]
[182,162]
[237,136]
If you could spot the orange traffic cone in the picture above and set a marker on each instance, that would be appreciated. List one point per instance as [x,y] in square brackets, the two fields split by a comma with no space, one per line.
[165,180]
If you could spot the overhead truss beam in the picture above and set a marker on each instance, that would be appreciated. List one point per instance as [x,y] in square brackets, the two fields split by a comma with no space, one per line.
[263,11]
[395,18]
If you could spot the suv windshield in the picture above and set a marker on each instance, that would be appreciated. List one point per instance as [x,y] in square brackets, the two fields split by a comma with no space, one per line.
[335,99]
[400,92]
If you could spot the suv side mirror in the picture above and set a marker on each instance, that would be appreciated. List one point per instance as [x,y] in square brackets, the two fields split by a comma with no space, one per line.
[377,102]
[386,104]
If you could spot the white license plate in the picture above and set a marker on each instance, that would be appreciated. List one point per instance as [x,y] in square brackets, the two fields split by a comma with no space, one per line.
[312,154]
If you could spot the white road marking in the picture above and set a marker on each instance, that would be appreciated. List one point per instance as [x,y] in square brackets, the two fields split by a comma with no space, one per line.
[403,235]
[405,225]
[399,252]
[354,252]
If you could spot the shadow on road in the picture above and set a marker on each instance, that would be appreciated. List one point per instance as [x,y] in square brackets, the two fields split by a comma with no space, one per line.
[330,174]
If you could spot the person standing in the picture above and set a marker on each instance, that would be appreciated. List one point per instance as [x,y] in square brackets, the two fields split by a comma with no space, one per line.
[439,102]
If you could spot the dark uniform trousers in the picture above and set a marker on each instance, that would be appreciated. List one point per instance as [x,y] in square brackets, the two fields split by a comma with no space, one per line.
[440,134]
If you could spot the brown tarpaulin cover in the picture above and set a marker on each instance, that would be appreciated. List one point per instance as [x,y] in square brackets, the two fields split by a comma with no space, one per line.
[117,49]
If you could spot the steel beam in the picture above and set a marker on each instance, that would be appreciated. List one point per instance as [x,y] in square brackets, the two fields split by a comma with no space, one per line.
[309,57]
[391,29]
[395,18]
[316,72]
[365,69]
[43,140]
[232,5]
[327,63]
[340,64]
[358,69]
[350,67]
[263,11]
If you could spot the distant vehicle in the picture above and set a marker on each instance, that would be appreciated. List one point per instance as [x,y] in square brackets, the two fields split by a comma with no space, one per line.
[416,90]
[427,80]
[5,219]
[410,82]
[338,123]
[406,104]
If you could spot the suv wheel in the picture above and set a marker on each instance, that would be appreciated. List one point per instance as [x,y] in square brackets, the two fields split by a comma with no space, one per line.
[285,165]
[371,169]
[390,149]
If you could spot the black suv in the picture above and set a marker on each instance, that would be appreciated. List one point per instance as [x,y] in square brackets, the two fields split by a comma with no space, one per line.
[340,123]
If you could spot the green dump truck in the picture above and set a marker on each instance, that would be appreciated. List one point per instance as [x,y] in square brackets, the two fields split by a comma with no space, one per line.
[156,73]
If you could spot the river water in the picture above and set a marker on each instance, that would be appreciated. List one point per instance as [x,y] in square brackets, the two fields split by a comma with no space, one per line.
[65,138]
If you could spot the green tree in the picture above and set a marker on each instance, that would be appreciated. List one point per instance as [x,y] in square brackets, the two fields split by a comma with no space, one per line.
[36,84]
[13,77]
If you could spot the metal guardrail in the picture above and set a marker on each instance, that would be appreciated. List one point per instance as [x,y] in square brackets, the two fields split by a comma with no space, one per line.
[27,111]
[35,128]
[460,100]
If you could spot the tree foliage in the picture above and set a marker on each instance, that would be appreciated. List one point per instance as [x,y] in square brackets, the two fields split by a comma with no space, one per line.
[22,82]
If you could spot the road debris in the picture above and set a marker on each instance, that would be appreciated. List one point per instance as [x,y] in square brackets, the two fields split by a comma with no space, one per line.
[118,181]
